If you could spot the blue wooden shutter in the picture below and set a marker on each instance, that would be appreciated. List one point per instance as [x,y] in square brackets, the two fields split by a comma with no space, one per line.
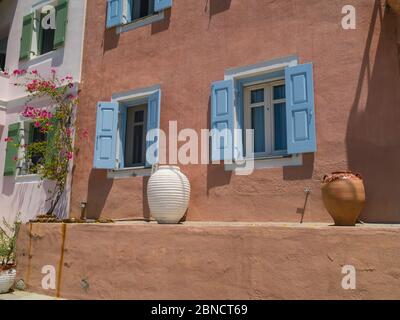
[300,117]
[153,126]
[106,135]
[129,17]
[160,5]
[114,13]
[222,120]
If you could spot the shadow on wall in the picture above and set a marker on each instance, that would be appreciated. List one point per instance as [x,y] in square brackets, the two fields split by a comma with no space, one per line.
[111,38]
[146,209]
[98,189]
[61,209]
[373,137]
[217,6]
[303,172]
[162,25]
[7,7]
[216,174]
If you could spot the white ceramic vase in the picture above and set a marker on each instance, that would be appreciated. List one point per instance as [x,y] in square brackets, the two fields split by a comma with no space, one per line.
[168,194]
[7,279]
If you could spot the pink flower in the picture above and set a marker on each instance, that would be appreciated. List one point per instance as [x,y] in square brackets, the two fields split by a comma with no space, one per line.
[34,71]
[18,72]
[8,139]
[68,78]
[29,112]
[68,131]
[15,158]
[69,155]
[37,124]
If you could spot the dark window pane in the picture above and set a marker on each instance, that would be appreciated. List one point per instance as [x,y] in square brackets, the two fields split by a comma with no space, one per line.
[138,144]
[47,35]
[280,126]
[142,8]
[139,115]
[38,136]
[279,92]
[3,51]
[258,124]
[257,96]
[2,61]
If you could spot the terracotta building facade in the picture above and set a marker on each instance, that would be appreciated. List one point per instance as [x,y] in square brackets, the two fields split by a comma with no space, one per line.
[320,97]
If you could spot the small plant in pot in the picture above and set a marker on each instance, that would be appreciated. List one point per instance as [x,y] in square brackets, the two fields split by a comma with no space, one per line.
[8,240]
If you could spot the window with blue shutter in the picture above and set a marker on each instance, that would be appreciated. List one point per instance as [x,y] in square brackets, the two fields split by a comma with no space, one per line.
[300,117]
[153,126]
[160,5]
[114,13]
[222,120]
[106,135]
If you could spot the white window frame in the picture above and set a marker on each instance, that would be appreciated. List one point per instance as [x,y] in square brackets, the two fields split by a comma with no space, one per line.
[24,127]
[236,74]
[269,116]
[36,10]
[140,107]
[132,97]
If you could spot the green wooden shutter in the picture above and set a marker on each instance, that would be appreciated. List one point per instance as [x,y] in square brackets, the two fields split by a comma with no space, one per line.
[61,23]
[31,131]
[12,149]
[26,37]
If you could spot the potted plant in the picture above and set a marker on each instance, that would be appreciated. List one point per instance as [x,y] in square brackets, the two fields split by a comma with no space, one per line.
[343,195]
[8,239]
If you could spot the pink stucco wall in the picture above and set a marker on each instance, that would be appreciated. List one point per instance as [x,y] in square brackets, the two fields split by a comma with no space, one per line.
[209,261]
[357,98]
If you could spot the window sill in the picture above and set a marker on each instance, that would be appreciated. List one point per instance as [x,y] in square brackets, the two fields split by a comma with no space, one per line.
[28,178]
[129,172]
[268,162]
[140,22]
[42,57]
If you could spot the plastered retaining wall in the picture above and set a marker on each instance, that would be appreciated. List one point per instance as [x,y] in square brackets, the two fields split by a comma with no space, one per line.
[210,261]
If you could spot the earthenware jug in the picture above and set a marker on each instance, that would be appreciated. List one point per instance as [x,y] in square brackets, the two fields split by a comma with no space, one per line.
[343,195]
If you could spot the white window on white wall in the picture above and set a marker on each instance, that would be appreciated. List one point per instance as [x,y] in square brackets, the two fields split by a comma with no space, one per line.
[44,29]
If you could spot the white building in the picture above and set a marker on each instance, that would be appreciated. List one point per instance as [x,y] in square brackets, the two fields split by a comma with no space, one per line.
[25,44]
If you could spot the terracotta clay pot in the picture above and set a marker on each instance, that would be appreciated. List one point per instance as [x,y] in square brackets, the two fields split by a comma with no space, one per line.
[343,195]
[395,5]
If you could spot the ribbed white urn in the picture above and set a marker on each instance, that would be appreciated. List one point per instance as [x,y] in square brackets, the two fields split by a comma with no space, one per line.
[7,279]
[168,194]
